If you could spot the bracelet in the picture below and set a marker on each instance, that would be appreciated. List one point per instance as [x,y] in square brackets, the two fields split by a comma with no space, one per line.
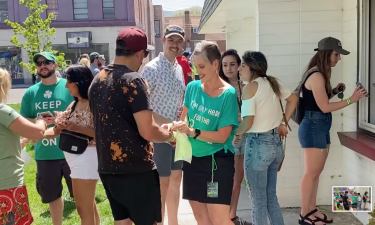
[282,122]
[171,139]
[348,101]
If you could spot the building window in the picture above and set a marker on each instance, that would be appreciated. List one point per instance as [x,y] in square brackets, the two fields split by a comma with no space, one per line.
[53,7]
[195,30]
[108,9]
[157,28]
[3,10]
[80,10]
[367,66]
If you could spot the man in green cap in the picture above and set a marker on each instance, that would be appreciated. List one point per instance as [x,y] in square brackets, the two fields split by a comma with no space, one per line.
[39,102]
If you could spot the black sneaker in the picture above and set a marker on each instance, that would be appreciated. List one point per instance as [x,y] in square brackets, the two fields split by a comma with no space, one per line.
[240,221]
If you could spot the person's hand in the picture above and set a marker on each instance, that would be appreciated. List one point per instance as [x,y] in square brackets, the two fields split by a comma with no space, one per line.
[358,94]
[49,120]
[283,131]
[182,127]
[336,89]
[236,139]
[67,125]
[165,126]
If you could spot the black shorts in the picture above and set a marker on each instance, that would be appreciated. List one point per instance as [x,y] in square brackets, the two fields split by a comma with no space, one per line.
[134,196]
[49,179]
[354,206]
[197,174]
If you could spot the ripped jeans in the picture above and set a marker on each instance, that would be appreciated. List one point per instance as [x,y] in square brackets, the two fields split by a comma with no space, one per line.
[263,155]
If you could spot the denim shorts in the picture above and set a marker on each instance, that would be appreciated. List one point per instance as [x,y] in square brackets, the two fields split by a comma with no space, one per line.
[314,130]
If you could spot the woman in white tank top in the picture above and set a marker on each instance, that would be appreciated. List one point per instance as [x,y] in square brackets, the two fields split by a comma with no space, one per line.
[262,122]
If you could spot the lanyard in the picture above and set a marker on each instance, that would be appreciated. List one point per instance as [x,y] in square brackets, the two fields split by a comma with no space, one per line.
[213,168]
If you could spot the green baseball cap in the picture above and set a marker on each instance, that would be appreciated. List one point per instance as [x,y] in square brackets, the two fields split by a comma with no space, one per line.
[48,55]
[330,43]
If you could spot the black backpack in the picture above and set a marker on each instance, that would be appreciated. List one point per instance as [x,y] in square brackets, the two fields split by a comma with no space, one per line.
[299,113]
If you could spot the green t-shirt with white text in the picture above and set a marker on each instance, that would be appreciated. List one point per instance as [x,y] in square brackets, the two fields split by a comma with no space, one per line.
[210,114]
[42,98]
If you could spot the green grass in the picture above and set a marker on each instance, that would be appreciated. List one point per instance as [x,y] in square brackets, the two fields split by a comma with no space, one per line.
[41,212]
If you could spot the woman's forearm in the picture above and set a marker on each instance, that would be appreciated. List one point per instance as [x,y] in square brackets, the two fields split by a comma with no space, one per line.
[52,132]
[219,136]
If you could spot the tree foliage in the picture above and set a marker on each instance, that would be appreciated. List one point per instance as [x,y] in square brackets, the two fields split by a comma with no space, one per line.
[37,34]
[194,11]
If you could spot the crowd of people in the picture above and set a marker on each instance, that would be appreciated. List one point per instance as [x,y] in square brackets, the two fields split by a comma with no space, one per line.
[350,201]
[119,125]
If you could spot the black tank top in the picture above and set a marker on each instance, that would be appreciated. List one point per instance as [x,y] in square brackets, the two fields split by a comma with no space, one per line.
[309,102]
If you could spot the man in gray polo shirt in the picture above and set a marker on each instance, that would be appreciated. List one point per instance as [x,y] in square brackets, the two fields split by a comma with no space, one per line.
[166,81]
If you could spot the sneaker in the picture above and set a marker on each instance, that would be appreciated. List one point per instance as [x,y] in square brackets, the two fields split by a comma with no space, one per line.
[240,221]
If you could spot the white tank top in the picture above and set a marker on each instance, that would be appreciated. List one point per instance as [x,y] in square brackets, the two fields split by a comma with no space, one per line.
[264,106]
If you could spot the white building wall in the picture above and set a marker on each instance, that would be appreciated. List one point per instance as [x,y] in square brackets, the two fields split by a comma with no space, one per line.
[240,31]
[288,32]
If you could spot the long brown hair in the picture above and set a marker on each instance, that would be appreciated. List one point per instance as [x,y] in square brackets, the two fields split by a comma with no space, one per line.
[258,65]
[322,60]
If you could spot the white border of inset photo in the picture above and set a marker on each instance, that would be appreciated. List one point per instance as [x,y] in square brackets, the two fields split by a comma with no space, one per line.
[358,211]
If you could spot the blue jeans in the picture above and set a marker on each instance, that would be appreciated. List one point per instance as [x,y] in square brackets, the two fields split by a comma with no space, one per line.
[263,155]
[359,205]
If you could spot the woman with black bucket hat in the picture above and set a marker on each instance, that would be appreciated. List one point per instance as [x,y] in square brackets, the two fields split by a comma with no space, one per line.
[314,130]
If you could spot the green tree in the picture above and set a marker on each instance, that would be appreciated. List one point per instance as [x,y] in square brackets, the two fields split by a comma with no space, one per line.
[194,11]
[37,34]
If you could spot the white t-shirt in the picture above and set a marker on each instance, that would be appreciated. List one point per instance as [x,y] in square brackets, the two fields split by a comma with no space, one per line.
[264,106]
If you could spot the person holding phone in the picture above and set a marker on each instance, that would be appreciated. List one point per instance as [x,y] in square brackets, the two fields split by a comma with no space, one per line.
[314,130]
[47,96]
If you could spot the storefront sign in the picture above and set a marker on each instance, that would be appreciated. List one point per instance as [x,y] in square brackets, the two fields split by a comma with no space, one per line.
[78,39]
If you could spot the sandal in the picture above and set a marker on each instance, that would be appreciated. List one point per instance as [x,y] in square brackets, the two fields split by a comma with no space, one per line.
[324,219]
[305,218]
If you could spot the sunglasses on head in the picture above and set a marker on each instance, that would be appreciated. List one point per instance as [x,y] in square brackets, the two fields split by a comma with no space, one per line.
[40,63]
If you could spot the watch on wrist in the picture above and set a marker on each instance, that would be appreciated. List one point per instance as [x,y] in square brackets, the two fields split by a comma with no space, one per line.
[197,133]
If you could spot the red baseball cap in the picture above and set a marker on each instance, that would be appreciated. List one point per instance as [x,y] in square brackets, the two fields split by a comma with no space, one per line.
[135,40]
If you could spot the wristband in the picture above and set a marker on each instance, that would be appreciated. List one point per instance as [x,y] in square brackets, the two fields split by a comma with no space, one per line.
[171,139]
[348,101]
[282,122]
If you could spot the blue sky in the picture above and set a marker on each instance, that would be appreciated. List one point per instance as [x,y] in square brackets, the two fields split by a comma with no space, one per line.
[171,5]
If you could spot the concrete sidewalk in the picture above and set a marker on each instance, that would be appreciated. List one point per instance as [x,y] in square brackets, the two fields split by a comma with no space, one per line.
[291,215]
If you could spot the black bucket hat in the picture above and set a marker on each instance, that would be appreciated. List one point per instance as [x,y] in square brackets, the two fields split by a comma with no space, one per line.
[330,43]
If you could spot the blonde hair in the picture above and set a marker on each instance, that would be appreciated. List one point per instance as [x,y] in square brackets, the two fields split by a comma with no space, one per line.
[85,62]
[5,85]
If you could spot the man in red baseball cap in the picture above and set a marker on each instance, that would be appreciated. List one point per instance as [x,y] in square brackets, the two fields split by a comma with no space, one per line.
[124,130]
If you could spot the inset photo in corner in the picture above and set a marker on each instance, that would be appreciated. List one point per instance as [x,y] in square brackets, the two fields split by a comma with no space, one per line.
[352,199]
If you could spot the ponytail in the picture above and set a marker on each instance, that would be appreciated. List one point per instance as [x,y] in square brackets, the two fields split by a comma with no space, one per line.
[274,85]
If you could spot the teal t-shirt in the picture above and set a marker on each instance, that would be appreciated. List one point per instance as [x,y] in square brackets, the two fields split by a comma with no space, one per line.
[354,199]
[42,98]
[210,114]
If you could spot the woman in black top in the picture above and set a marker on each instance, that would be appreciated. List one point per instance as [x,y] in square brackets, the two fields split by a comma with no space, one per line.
[314,129]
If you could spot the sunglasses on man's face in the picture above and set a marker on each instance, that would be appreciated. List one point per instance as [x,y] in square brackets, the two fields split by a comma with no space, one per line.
[145,53]
[40,63]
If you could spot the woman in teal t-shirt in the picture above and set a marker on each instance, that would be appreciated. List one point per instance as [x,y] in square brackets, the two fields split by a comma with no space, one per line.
[210,107]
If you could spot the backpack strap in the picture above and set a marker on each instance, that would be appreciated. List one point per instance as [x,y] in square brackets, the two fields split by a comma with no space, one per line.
[306,75]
